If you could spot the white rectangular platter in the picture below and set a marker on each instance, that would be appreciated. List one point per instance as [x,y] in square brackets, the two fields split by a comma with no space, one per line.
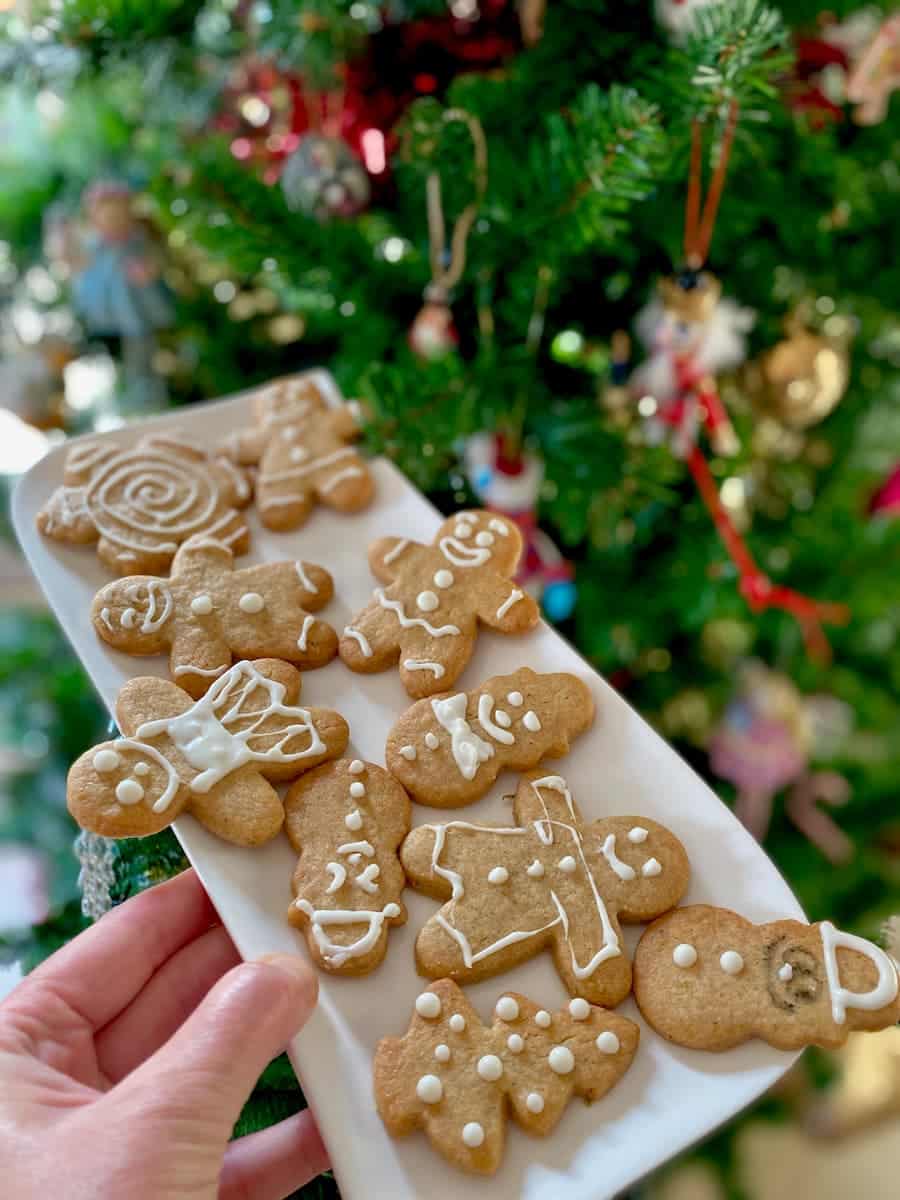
[670,1097]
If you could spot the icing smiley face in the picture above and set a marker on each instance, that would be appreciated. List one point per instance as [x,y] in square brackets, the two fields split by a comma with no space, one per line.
[474,539]
[135,612]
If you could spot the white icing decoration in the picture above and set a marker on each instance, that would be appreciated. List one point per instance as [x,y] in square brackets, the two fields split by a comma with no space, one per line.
[489,1068]
[516,699]
[515,1043]
[316,464]
[534,1102]
[885,990]
[460,555]
[366,879]
[608,850]
[159,604]
[105,760]
[507,1008]
[568,864]
[357,767]
[308,623]
[338,875]
[561,1060]
[353,820]
[297,454]
[535,870]
[128,618]
[542,1018]
[414,664]
[347,473]
[462,529]
[443,579]
[637,835]
[409,753]
[104,617]
[360,638]
[472,1135]
[498,526]
[532,722]
[485,709]
[502,718]
[468,749]
[201,606]
[305,581]
[216,739]
[357,789]
[731,962]
[395,551]
[651,867]
[129,791]
[484,538]
[457,1022]
[428,1004]
[141,768]
[355,859]
[252,603]
[513,598]
[395,606]
[427,601]
[442,1052]
[607,1042]
[211,672]
[431,740]
[334,953]
[684,955]
[498,875]
[579,1009]
[362,847]
[786,972]
[429,1089]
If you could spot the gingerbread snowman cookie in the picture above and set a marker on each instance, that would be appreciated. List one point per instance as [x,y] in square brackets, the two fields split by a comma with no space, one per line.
[427,616]
[550,879]
[346,820]
[213,757]
[302,450]
[460,1080]
[206,614]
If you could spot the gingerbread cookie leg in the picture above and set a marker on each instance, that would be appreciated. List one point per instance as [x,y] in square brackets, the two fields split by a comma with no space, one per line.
[197,657]
[367,645]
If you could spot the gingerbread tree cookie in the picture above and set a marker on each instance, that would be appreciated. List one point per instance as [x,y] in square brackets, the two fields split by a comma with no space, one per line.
[449,751]
[139,504]
[706,978]
[346,820]
[459,1080]
[206,614]
[550,879]
[427,616]
[212,758]
[302,450]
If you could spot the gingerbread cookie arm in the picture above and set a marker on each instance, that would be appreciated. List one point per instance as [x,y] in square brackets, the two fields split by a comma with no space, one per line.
[504,606]
[369,643]
[66,518]
[199,655]
[343,422]
[243,809]
[284,496]
[347,486]
[200,555]
[389,555]
[246,446]
[234,483]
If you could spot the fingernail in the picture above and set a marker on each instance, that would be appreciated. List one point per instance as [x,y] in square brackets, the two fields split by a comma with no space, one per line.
[291,963]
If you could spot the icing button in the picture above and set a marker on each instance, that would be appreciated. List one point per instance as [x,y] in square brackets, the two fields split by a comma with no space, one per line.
[490,1068]
[507,1009]
[105,761]
[429,1089]
[731,962]
[515,1043]
[684,955]
[542,1018]
[567,864]
[561,1060]
[579,1009]
[129,791]
[457,1022]
[498,875]
[607,1042]
[252,603]
[428,1005]
[201,606]
[534,1103]
[472,1135]
[442,1052]
[427,601]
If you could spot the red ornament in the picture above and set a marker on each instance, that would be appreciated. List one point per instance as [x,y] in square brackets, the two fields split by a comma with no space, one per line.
[887,499]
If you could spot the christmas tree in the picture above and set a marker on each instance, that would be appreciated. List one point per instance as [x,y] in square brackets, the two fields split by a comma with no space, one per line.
[624,271]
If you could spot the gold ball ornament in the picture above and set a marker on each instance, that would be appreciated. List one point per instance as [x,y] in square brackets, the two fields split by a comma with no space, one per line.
[801,380]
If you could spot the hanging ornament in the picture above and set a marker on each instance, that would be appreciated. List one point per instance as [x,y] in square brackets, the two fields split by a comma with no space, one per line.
[679,17]
[763,745]
[802,378]
[323,178]
[886,500]
[433,333]
[508,481]
[876,75]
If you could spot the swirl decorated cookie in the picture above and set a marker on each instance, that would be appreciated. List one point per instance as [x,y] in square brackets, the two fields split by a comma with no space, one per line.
[550,879]
[708,979]
[141,503]
[213,757]
[460,1080]
[206,614]
[426,617]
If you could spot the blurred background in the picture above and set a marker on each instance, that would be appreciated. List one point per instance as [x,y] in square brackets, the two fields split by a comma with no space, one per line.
[625,270]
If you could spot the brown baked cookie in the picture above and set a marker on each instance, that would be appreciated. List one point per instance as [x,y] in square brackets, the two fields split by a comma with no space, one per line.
[460,1080]
[206,614]
[550,879]
[346,820]
[427,617]
[302,450]
[212,757]
[140,504]
[708,979]
[449,751]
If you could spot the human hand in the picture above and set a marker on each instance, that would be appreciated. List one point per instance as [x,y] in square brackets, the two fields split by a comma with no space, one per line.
[125,1060]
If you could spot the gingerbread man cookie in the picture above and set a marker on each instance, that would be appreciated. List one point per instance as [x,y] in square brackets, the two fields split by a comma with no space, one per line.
[141,503]
[427,616]
[708,979]
[212,757]
[449,751]
[550,879]
[459,1080]
[346,820]
[206,614]
[300,446]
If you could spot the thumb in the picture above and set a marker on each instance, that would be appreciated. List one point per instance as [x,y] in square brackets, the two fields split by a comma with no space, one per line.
[211,1064]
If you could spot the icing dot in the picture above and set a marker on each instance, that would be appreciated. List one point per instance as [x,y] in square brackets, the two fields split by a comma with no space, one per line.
[498,875]
[251,602]
[357,789]
[561,1060]
[567,864]
[105,760]
[457,1022]
[490,1067]
[502,718]
[297,453]
[786,972]
[408,752]
[142,768]
[443,579]
[534,1102]
[515,1043]
[542,1018]
[427,601]
[431,741]
[531,722]
[429,1089]
[684,955]
[462,529]
[637,835]
[579,1008]
[485,538]
[442,1052]
[354,859]
[472,1135]
[129,791]
[731,962]
[607,1043]
[515,699]
[357,767]
[507,1009]
[201,606]
[651,867]
[428,1005]
[535,870]
[391,910]
[354,820]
